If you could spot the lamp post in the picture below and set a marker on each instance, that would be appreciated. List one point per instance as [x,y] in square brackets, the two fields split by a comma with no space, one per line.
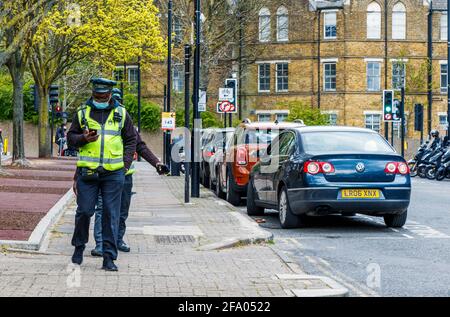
[169,79]
[448,63]
[196,87]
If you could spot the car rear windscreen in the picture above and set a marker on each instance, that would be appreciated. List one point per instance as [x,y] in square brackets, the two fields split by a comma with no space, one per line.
[344,142]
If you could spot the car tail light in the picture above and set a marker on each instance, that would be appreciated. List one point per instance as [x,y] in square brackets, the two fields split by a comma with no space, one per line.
[403,168]
[314,168]
[241,156]
[327,168]
[397,168]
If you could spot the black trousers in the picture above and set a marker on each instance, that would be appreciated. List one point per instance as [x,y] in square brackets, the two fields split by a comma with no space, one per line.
[110,184]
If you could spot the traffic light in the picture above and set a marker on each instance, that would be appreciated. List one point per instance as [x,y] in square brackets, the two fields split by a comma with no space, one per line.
[233,84]
[388,105]
[418,117]
[54,94]
[58,111]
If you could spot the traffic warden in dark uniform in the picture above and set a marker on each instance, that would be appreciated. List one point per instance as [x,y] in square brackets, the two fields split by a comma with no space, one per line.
[142,150]
[104,133]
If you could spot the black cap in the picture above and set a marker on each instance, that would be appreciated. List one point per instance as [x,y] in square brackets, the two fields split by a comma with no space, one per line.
[102,85]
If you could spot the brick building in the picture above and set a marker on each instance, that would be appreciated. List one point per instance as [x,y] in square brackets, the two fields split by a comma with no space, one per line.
[338,56]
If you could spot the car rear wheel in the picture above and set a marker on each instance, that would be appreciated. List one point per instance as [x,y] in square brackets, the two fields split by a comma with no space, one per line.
[287,219]
[396,221]
[233,196]
[252,208]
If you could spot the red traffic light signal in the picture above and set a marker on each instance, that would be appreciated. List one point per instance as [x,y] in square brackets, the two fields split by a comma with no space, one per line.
[58,109]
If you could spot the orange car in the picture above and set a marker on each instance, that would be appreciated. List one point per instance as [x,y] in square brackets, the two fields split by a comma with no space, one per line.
[243,152]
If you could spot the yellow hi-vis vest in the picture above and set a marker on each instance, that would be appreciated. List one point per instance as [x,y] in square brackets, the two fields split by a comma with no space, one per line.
[107,151]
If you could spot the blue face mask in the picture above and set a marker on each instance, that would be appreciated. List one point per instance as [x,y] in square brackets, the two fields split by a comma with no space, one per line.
[100,105]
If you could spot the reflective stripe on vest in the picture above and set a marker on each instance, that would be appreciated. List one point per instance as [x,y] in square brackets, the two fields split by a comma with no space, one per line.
[107,151]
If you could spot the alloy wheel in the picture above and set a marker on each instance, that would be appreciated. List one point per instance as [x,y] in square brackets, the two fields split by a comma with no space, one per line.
[283,207]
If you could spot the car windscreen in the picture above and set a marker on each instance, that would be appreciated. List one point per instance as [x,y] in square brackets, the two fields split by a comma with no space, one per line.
[316,143]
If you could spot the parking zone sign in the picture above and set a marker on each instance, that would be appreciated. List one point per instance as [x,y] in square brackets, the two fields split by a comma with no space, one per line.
[168,121]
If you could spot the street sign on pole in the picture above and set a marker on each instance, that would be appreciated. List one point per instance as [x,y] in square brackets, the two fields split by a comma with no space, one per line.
[202,101]
[226,107]
[168,121]
[226,94]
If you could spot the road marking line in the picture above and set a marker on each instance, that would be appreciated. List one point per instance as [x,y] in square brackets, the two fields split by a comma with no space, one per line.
[407,236]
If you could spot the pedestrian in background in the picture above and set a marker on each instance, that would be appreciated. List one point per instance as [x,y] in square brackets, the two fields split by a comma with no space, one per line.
[105,135]
[60,138]
[1,143]
[143,151]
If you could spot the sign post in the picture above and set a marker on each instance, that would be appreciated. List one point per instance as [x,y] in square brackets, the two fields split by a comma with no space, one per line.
[168,121]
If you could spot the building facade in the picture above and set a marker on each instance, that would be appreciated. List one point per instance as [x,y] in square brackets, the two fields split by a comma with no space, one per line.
[337,56]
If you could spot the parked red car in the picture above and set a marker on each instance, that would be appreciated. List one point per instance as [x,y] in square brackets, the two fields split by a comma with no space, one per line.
[243,152]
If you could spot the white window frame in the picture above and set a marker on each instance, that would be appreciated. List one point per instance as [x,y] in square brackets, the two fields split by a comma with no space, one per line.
[333,15]
[276,77]
[372,114]
[442,114]
[373,21]
[284,113]
[443,88]
[265,30]
[282,13]
[399,25]
[325,75]
[330,113]
[378,77]
[129,68]
[264,114]
[443,26]
[259,77]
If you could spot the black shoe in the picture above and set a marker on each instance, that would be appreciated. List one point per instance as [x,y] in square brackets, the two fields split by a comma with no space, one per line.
[77,257]
[108,264]
[122,246]
[97,252]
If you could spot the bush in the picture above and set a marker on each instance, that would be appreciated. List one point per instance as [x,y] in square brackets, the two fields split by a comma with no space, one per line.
[150,113]
[301,111]
[6,99]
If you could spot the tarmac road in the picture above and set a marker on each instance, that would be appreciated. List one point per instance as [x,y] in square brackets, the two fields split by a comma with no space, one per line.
[372,260]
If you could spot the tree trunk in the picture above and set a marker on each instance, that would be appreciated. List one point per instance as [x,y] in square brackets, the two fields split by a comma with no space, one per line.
[44,126]
[17,70]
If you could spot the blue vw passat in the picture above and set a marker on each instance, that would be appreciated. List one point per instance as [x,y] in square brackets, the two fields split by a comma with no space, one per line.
[314,171]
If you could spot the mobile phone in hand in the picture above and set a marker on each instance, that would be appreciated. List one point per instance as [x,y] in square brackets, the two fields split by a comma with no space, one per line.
[93,131]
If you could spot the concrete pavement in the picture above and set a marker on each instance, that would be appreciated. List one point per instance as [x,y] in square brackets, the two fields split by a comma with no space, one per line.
[200,249]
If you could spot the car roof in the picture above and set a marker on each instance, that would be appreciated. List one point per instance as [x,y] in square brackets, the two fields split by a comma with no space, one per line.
[333,129]
[272,125]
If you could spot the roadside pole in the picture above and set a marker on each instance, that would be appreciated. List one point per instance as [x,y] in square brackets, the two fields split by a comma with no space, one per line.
[196,138]
[139,99]
[164,133]
[187,146]
[169,80]
[51,128]
[402,115]
[448,63]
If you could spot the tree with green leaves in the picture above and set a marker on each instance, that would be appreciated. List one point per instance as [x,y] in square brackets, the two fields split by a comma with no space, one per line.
[299,110]
[105,33]
[19,22]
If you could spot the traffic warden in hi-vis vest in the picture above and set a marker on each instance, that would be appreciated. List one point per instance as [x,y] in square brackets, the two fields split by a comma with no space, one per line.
[142,150]
[104,133]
